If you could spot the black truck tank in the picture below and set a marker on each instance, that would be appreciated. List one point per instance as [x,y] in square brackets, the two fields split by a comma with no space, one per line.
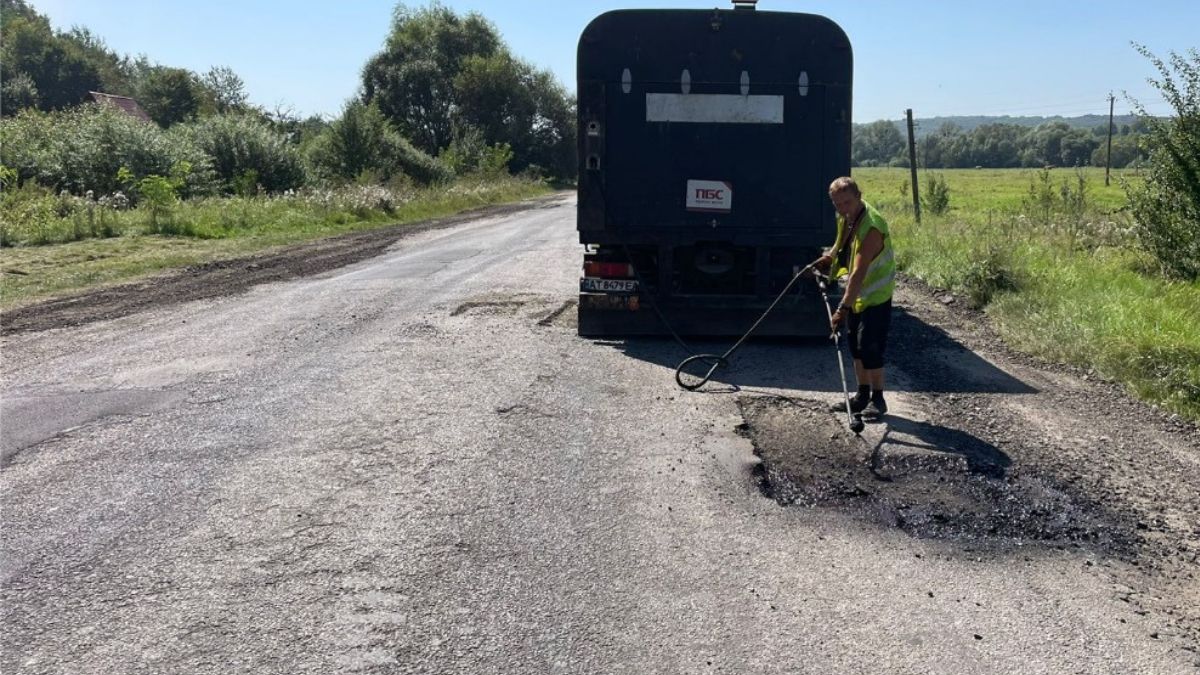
[707,142]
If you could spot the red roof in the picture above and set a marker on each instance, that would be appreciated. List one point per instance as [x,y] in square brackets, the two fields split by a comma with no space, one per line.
[126,104]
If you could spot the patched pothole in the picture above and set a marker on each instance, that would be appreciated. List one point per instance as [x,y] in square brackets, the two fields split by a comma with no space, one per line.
[931,482]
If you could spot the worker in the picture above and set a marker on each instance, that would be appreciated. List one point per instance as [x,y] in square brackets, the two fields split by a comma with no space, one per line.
[864,253]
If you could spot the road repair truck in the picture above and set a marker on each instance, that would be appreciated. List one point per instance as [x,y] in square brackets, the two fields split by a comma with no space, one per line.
[707,142]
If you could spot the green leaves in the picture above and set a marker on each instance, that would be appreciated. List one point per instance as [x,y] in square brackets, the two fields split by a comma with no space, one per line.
[440,73]
[83,148]
[877,144]
[935,197]
[1166,207]
[364,141]
[239,144]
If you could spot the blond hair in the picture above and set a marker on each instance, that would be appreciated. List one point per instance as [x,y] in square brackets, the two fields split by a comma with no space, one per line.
[843,184]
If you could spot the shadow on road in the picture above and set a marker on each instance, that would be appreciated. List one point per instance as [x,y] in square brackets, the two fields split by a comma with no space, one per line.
[981,457]
[927,357]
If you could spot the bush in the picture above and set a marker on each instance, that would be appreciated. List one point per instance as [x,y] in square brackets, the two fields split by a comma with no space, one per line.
[1166,208]
[82,149]
[989,271]
[1040,202]
[241,145]
[362,141]
[936,197]
[469,153]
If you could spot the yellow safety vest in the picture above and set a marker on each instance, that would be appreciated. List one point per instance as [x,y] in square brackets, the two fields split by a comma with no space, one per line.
[880,281]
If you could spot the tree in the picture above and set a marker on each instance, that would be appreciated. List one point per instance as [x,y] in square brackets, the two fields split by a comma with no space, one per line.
[60,73]
[1043,144]
[552,129]
[18,92]
[412,79]
[227,90]
[994,146]
[1166,207]
[441,75]
[1126,151]
[1076,148]
[876,144]
[513,103]
[169,95]
[942,148]
[116,74]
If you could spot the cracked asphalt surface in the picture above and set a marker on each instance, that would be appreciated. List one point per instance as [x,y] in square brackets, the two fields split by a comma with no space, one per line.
[407,462]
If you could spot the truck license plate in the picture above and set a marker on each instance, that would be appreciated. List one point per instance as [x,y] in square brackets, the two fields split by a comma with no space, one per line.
[595,285]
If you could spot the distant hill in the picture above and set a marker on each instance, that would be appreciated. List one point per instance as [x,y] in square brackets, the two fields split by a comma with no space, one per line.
[928,125]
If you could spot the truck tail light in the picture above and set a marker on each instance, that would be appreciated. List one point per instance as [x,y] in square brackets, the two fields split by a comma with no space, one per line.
[607,270]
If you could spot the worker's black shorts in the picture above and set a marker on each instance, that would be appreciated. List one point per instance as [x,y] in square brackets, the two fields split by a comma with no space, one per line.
[868,333]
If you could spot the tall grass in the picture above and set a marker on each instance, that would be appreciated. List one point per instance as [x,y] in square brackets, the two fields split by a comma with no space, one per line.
[135,241]
[1051,256]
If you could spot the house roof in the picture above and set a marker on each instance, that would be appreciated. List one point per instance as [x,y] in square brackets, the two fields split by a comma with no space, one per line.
[126,104]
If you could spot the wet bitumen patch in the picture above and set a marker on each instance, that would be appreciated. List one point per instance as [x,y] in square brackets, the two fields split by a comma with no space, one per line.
[929,481]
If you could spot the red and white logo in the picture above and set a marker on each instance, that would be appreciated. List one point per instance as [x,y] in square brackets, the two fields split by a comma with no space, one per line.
[711,196]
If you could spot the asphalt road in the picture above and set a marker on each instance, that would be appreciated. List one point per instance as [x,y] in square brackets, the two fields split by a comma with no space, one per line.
[413,464]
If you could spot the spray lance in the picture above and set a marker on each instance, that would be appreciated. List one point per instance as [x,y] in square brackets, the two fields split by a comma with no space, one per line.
[715,361]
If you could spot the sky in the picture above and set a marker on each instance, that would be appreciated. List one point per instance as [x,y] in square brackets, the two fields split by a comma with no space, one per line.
[940,58]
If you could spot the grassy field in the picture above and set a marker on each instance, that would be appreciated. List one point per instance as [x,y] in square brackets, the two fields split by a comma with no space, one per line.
[198,231]
[1050,256]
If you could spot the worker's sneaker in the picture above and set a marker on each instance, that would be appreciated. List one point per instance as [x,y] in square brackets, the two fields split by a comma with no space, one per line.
[877,407]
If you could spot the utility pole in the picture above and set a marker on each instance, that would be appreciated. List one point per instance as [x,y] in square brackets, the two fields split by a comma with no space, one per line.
[1108,155]
[912,165]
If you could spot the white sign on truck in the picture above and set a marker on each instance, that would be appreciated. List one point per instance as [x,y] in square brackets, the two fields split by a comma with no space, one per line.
[714,196]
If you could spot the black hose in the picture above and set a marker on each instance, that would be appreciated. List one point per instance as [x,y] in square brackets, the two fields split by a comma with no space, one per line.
[718,361]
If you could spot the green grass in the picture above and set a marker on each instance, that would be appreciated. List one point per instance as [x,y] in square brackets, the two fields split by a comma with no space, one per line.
[1059,279]
[978,191]
[200,231]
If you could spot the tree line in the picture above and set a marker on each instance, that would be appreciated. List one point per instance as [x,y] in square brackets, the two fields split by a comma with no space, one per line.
[1001,145]
[444,96]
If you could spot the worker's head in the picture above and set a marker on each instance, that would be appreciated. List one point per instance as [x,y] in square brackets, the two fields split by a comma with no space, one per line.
[845,195]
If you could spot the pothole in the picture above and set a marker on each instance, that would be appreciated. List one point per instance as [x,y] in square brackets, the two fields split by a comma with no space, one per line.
[931,482]
[561,316]
[488,307]
[418,330]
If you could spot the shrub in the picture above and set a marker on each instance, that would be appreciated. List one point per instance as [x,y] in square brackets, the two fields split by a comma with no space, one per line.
[158,195]
[469,153]
[1040,200]
[24,211]
[241,145]
[936,199]
[82,149]
[362,140]
[989,271]
[1166,208]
